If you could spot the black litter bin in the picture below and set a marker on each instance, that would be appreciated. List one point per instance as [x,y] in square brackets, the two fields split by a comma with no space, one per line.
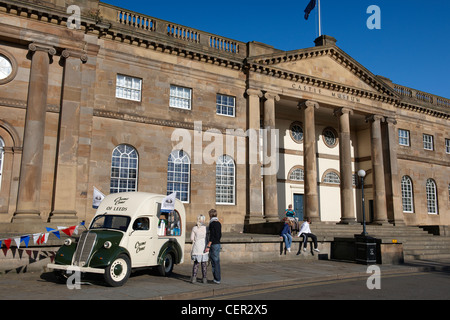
[366,249]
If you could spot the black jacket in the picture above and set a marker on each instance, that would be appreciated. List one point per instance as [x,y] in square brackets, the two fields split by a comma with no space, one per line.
[215,232]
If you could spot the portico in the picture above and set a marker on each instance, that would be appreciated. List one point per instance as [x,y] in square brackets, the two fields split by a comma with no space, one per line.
[308,98]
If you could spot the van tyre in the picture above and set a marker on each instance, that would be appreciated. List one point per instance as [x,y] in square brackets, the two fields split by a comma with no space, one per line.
[118,272]
[165,269]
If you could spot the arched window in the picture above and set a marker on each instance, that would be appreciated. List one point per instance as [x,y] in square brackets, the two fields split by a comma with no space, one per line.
[225,180]
[407,194]
[124,169]
[297,175]
[331,177]
[432,197]
[178,175]
[2,155]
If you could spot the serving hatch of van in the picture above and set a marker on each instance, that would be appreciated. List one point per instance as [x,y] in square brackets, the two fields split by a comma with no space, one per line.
[129,230]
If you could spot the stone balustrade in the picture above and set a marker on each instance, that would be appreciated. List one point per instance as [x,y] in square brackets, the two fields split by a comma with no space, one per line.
[133,20]
[421,97]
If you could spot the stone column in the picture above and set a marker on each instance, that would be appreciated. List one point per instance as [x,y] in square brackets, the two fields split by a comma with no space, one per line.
[345,164]
[255,201]
[28,199]
[379,191]
[393,187]
[270,175]
[64,205]
[309,151]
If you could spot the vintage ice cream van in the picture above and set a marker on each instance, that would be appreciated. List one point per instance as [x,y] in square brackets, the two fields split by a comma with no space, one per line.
[129,230]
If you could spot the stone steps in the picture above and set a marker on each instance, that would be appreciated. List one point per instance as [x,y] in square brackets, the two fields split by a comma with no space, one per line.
[417,243]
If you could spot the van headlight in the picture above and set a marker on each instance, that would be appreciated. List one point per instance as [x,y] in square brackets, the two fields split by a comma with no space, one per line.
[107,244]
[68,242]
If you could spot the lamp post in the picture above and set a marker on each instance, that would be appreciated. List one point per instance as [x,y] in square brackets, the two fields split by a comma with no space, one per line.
[362,174]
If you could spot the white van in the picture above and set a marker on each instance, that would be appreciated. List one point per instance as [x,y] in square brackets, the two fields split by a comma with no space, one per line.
[129,230]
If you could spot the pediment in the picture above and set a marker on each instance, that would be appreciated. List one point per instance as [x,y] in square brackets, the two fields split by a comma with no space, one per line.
[326,65]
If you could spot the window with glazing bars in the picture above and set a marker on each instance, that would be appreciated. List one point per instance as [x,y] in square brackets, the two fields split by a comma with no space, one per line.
[124,169]
[431,196]
[403,137]
[225,105]
[178,175]
[407,194]
[225,180]
[180,97]
[128,88]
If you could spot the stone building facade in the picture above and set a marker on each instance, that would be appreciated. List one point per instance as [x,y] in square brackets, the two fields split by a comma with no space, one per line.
[122,101]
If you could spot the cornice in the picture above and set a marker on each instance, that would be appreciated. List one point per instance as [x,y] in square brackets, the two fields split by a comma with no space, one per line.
[320,83]
[124,33]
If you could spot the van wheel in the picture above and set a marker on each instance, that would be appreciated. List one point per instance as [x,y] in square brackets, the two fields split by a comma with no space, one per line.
[165,269]
[118,272]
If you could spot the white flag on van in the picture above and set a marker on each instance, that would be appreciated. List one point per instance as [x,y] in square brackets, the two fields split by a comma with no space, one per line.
[168,203]
[97,198]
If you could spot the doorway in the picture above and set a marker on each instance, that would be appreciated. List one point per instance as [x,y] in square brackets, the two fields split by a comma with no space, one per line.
[298,205]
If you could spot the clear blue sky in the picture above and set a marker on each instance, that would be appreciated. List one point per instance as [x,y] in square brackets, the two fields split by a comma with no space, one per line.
[412,48]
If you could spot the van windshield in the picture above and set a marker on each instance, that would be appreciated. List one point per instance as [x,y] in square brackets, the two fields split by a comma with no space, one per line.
[111,222]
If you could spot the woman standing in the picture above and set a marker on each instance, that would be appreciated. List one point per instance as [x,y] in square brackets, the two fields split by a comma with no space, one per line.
[198,254]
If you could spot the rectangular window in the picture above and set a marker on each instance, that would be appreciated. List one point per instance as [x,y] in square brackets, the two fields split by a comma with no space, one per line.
[180,97]
[225,105]
[428,142]
[403,137]
[447,146]
[128,88]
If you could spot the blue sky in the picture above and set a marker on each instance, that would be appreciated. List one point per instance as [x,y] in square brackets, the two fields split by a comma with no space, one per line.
[412,48]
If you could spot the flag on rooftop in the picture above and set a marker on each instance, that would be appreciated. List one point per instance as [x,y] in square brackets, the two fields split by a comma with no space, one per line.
[309,8]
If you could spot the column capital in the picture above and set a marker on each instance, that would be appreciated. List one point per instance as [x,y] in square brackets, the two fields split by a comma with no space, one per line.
[75,54]
[308,104]
[36,46]
[271,96]
[343,110]
[375,117]
[254,92]
[390,120]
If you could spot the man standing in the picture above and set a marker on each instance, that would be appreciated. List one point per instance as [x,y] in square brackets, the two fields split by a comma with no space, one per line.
[306,232]
[215,233]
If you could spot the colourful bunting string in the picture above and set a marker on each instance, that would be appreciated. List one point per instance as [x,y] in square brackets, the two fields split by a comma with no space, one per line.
[38,238]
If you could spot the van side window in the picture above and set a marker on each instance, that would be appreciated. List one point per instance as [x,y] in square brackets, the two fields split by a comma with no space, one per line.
[141,224]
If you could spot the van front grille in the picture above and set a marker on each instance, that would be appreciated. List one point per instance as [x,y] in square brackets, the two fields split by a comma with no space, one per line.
[84,248]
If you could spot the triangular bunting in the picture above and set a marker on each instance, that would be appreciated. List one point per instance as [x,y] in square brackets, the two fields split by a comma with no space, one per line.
[7,243]
[13,251]
[26,240]
[20,251]
[44,238]
[5,251]
[69,231]
[17,241]
[55,232]
[36,237]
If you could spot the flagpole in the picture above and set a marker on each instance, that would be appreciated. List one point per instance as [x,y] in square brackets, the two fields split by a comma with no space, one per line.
[320,23]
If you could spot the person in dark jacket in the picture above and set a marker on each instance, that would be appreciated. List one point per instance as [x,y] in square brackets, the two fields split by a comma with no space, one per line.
[286,234]
[215,234]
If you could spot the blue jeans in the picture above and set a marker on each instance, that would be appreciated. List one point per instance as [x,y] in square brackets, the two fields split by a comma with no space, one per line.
[287,240]
[214,256]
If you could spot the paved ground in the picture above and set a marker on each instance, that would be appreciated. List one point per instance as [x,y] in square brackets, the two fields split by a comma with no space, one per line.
[236,278]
